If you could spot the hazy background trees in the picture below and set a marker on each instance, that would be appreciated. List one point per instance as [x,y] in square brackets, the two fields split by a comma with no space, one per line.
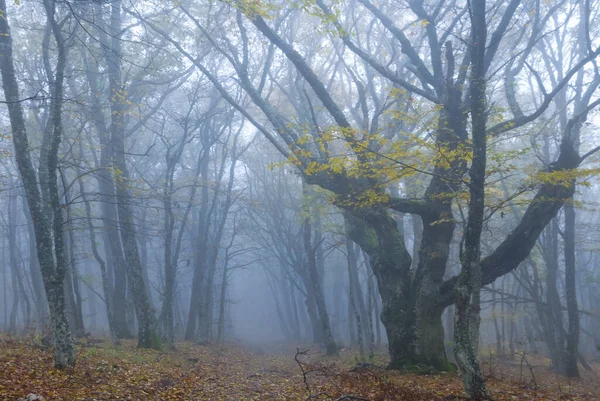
[337,173]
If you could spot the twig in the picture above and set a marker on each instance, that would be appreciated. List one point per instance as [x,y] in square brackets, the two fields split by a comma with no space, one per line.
[530,367]
[304,372]
[324,395]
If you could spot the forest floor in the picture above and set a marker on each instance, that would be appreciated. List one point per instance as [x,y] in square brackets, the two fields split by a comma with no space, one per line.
[235,372]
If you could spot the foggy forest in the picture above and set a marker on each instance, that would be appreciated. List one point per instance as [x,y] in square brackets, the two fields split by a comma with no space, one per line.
[299,200]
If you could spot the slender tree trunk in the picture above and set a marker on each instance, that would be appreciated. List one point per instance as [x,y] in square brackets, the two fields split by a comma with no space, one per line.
[92,309]
[365,329]
[311,310]
[466,334]
[297,336]
[200,253]
[147,336]
[496,326]
[39,297]
[4,285]
[310,249]
[374,301]
[108,301]
[74,318]
[572,343]
[12,235]
[72,290]
[115,260]
[556,336]
[170,266]
[223,292]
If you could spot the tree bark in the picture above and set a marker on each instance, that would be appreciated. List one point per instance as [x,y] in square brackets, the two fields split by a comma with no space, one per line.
[378,236]
[572,340]
[53,270]
[12,235]
[468,290]
[108,301]
[147,335]
[311,265]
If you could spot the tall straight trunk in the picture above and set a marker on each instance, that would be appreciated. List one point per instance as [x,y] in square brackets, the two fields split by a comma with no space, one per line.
[502,313]
[4,285]
[205,319]
[72,290]
[289,313]
[142,242]
[147,336]
[12,235]
[205,332]
[41,303]
[351,322]
[311,310]
[170,275]
[295,315]
[374,301]
[310,249]
[222,300]
[574,130]
[572,343]
[337,293]
[71,305]
[466,334]
[14,309]
[113,250]
[170,261]
[357,299]
[281,317]
[199,253]
[108,301]
[496,326]
[92,309]
[556,339]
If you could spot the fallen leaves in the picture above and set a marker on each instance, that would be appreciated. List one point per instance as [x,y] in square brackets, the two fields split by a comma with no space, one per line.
[195,372]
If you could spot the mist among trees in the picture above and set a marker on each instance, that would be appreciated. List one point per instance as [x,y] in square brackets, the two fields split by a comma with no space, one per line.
[409,187]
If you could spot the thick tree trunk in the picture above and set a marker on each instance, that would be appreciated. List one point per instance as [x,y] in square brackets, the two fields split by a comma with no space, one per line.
[378,235]
[433,257]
